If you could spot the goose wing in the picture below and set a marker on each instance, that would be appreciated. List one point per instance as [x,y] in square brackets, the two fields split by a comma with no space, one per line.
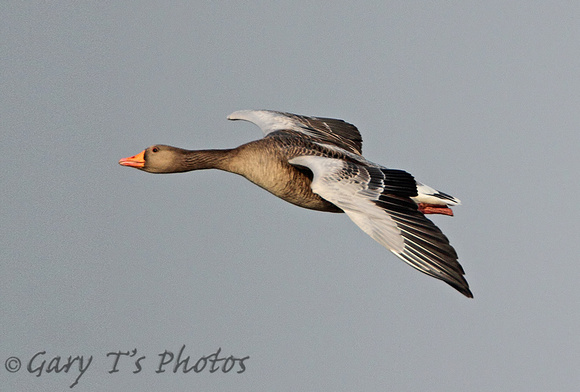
[378,200]
[327,130]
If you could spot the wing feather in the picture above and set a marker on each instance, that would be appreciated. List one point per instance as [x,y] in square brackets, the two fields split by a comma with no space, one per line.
[326,130]
[378,200]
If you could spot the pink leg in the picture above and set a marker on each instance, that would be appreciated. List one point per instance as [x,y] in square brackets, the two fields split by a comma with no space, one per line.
[434,209]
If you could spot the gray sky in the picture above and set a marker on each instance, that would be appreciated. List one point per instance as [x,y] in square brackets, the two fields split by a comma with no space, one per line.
[478,100]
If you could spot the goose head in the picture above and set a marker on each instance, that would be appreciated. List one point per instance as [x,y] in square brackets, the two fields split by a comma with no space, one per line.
[158,159]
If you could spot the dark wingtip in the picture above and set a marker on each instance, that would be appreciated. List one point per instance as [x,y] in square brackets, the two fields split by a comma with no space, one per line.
[463,288]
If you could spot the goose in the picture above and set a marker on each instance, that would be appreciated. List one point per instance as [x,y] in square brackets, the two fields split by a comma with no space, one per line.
[317,163]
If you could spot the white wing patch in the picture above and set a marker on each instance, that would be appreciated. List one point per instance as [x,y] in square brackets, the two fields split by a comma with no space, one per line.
[379,201]
[268,121]
[353,196]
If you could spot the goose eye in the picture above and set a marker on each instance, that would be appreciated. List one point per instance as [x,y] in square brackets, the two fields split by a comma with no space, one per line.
[155,149]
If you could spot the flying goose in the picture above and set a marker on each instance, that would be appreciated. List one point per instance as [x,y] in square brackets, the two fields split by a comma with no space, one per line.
[317,163]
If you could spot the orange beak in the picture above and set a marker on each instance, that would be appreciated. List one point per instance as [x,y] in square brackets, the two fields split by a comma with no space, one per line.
[137,161]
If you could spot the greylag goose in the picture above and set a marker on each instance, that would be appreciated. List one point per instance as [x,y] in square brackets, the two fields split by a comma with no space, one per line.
[317,163]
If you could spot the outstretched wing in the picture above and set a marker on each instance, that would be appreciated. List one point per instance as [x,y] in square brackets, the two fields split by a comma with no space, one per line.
[379,201]
[326,130]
